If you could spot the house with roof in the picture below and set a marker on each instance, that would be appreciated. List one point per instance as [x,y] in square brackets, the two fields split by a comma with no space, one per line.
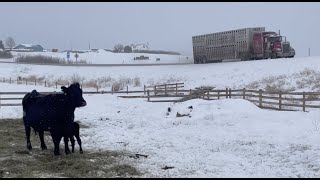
[29,47]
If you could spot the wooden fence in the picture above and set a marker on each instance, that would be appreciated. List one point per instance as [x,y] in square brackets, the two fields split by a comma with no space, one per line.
[164,88]
[13,95]
[36,82]
[56,84]
[285,101]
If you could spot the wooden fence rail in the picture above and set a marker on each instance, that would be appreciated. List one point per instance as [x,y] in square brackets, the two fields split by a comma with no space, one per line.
[171,87]
[287,101]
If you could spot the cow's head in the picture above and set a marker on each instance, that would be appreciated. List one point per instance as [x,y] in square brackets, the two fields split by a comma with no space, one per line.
[75,93]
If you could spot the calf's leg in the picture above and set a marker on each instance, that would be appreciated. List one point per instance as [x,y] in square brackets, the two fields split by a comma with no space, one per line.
[72,143]
[43,145]
[79,142]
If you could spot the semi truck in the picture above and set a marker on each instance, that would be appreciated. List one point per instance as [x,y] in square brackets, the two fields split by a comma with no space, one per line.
[244,44]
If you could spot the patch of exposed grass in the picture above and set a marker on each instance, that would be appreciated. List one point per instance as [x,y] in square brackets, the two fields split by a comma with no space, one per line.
[17,161]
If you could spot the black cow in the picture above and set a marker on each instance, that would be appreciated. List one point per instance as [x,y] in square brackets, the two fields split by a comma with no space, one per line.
[52,112]
[32,98]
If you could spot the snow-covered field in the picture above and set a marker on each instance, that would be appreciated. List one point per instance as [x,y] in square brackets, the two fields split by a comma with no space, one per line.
[290,73]
[106,57]
[222,138]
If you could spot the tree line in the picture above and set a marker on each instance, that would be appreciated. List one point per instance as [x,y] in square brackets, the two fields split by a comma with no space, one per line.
[9,42]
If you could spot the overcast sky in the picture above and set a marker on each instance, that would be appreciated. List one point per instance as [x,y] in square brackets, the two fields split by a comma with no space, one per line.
[164,25]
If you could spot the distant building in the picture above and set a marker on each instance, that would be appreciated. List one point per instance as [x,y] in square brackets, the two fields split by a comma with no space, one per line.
[137,47]
[29,47]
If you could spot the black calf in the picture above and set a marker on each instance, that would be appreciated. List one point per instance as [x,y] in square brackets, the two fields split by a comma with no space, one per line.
[76,133]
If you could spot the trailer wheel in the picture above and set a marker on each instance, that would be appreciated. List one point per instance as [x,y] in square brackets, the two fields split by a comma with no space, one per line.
[274,55]
[204,60]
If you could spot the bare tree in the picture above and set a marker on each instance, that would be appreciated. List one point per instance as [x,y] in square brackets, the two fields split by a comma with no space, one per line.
[1,45]
[127,49]
[118,48]
[10,42]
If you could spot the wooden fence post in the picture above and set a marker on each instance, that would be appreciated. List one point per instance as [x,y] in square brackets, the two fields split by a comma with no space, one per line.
[155,90]
[144,89]
[244,93]
[56,85]
[218,94]
[10,80]
[208,95]
[45,83]
[176,88]
[111,89]
[260,98]
[127,90]
[165,89]
[148,95]
[17,80]
[303,101]
[227,93]
[280,100]
[68,83]
[35,82]
[26,82]
[190,92]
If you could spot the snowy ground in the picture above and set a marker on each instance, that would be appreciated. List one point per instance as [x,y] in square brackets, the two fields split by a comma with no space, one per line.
[105,57]
[222,138]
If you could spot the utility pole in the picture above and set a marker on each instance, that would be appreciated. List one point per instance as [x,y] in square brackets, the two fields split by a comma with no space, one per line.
[89,46]
[309,51]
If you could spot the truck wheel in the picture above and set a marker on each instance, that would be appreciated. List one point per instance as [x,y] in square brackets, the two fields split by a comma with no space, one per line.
[273,56]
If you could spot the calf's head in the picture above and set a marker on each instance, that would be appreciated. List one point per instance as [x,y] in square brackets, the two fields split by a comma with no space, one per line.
[75,93]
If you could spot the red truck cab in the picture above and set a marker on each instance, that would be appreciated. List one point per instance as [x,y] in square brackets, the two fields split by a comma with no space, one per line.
[271,45]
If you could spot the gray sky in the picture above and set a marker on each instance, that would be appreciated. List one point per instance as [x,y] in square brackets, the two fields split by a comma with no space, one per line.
[165,25]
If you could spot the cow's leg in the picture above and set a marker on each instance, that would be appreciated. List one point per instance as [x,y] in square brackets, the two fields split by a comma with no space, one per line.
[79,142]
[72,143]
[56,141]
[28,129]
[66,145]
[43,145]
